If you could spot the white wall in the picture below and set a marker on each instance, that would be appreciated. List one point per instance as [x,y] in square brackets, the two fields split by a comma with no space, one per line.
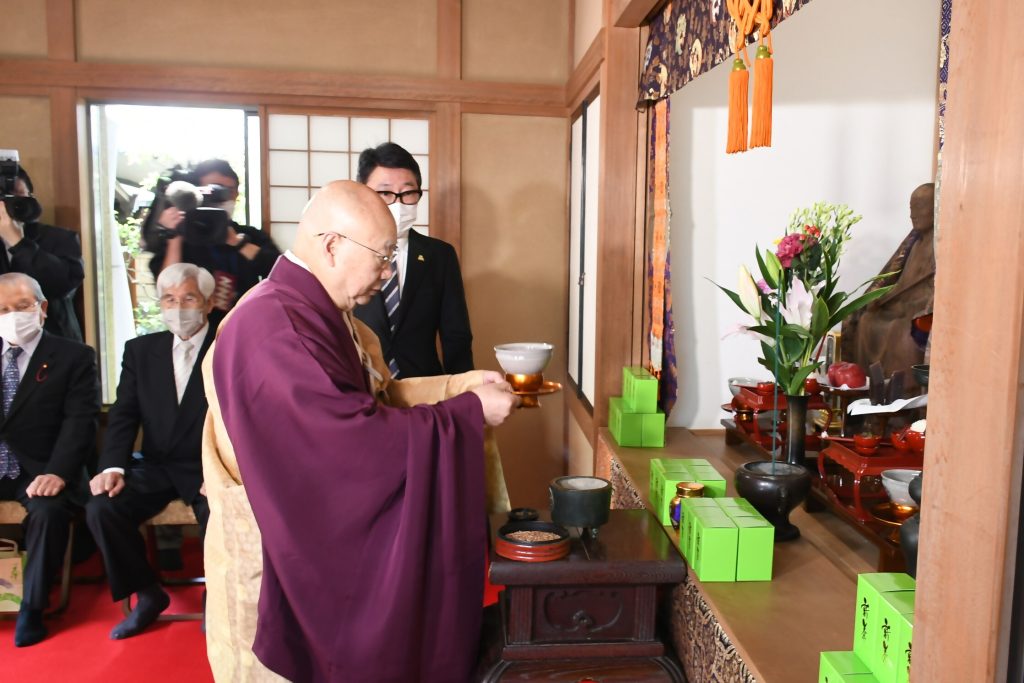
[854,123]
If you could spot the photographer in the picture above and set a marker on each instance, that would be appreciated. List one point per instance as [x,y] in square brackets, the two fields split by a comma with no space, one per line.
[50,255]
[245,256]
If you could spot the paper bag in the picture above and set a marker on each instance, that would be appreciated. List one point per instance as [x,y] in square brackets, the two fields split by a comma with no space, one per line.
[12,580]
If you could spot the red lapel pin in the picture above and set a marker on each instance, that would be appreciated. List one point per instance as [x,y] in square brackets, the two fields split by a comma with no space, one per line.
[43,372]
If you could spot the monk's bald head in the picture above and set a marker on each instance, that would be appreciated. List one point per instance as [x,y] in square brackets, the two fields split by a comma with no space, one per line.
[344,236]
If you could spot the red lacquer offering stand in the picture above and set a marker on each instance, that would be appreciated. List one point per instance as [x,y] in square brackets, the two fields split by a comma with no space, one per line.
[751,403]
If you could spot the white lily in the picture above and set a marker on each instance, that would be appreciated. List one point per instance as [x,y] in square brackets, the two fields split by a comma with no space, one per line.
[799,303]
[744,331]
[749,294]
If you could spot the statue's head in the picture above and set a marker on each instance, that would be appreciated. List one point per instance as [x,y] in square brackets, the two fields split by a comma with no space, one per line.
[922,207]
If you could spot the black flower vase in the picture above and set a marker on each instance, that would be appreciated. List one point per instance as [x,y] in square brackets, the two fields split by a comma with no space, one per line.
[774,489]
[910,530]
[796,428]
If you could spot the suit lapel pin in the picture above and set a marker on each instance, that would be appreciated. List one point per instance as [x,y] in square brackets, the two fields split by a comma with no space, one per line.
[419,257]
[43,372]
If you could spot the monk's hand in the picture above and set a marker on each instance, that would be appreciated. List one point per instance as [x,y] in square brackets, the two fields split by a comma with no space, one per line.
[497,400]
[45,485]
[110,483]
[491,377]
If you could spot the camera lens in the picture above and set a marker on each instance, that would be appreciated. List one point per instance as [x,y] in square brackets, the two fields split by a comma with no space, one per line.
[23,209]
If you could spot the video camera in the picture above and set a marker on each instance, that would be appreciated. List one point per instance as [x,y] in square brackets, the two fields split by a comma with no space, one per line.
[205,223]
[23,209]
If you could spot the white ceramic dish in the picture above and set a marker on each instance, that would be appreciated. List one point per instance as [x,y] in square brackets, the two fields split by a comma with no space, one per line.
[896,483]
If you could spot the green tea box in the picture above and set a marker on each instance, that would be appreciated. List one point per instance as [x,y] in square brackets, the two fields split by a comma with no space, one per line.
[904,647]
[639,390]
[660,468]
[714,483]
[755,548]
[626,428]
[688,510]
[715,538]
[834,667]
[652,430]
[870,591]
[894,617]
[738,507]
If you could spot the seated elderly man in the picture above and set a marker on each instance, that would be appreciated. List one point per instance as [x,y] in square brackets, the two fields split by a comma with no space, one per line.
[161,391]
[50,402]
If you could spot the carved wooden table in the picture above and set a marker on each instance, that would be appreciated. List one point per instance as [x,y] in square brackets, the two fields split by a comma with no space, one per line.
[591,615]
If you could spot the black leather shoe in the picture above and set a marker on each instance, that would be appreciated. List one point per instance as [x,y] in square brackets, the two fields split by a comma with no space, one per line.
[29,629]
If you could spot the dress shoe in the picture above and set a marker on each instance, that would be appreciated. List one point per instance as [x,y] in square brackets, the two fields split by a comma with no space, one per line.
[29,629]
[150,603]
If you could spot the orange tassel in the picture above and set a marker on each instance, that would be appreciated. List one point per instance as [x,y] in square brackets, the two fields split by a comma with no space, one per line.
[739,81]
[761,127]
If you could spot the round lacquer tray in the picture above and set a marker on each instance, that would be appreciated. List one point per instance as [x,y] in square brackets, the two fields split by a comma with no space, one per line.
[532,551]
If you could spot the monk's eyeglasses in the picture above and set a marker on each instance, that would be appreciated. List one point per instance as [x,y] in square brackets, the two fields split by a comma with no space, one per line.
[385,259]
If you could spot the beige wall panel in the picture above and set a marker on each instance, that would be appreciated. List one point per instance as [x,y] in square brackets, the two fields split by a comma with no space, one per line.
[514,264]
[25,126]
[320,35]
[581,453]
[587,20]
[24,27]
[526,41]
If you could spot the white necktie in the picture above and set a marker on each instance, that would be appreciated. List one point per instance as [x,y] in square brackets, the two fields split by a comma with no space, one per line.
[182,367]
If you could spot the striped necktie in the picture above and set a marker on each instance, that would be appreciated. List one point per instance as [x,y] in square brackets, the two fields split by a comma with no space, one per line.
[11,378]
[391,299]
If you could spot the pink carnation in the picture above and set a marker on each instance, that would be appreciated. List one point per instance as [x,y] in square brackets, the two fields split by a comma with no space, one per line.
[789,248]
[763,286]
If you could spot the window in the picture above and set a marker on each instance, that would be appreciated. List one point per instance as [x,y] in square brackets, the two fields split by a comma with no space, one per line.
[584,157]
[131,146]
[306,151]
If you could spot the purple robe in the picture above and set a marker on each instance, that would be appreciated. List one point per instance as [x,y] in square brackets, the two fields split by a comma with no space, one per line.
[374,533]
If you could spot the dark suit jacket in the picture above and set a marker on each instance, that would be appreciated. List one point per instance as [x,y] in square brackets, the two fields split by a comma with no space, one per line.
[146,397]
[51,426]
[53,256]
[433,303]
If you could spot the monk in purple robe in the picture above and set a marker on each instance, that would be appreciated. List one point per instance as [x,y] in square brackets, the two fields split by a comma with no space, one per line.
[371,517]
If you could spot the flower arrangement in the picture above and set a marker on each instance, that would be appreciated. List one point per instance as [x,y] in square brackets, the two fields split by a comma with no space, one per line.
[796,302]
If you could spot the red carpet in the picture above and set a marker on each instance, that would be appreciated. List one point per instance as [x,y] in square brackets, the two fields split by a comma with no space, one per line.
[79,647]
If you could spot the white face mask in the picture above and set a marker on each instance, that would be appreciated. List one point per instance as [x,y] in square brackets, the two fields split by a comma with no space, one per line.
[184,322]
[20,327]
[404,215]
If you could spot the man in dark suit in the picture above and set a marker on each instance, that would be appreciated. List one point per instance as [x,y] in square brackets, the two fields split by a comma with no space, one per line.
[50,402]
[161,391]
[50,255]
[425,298]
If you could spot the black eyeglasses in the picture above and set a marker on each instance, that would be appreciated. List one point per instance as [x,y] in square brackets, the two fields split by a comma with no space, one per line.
[385,260]
[408,197]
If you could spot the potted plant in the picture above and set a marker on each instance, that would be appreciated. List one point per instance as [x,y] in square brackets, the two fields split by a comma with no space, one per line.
[791,309]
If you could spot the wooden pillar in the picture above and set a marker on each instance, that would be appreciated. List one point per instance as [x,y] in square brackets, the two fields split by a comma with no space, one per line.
[975,438]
